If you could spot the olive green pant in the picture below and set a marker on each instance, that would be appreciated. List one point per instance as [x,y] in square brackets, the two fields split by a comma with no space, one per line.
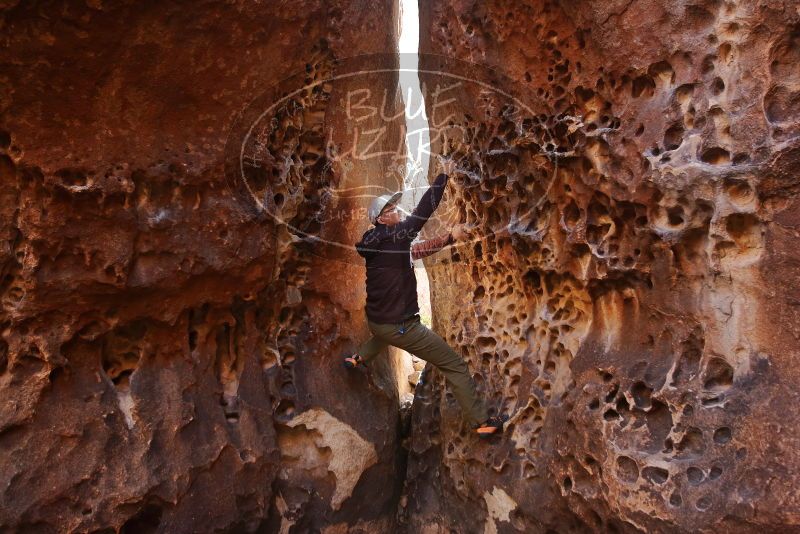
[429,346]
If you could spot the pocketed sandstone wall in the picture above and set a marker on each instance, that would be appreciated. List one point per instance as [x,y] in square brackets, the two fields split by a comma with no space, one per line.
[170,356]
[630,300]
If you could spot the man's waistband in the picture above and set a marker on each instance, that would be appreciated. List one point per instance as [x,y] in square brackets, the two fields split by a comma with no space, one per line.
[410,318]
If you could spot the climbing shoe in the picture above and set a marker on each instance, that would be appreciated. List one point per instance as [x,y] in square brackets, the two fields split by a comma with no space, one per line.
[351,362]
[492,426]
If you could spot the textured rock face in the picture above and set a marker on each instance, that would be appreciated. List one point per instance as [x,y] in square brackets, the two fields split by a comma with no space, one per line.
[158,334]
[168,358]
[632,301]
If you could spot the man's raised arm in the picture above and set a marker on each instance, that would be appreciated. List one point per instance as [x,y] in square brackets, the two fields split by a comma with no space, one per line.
[429,202]
[430,246]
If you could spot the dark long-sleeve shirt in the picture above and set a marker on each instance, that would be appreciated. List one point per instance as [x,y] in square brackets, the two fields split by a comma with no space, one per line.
[391,284]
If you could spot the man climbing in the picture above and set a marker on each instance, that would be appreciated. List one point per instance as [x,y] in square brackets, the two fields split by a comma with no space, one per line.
[392,308]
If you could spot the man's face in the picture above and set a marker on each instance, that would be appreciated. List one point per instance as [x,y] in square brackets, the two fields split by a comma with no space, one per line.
[390,216]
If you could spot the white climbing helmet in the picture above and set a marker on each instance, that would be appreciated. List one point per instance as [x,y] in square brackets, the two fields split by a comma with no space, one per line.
[378,204]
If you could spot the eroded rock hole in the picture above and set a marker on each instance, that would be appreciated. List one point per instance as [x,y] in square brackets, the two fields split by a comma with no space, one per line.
[627,469]
[228,368]
[641,395]
[673,137]
[120,356]
[3,356]
[656,475]
[146,521]
[643,86]
[745,229]
[703,503]
[722,435]
[695,475]
[692,443]
[718,375]
[73,177]
[675,216]
[688,364]
[716,156]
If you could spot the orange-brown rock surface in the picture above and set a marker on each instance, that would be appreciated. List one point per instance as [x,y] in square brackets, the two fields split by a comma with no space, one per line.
[631,297]
[158,333]
[181,186]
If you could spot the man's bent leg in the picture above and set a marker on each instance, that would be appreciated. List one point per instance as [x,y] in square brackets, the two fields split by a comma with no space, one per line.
[428,345]
[370,348]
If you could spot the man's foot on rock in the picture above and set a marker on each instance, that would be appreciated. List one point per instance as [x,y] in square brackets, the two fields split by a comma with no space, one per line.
[353,361]
[492,426]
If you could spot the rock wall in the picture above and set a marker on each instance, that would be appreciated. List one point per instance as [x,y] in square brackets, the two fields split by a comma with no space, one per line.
[173,313]
[630,297]
[159,333]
